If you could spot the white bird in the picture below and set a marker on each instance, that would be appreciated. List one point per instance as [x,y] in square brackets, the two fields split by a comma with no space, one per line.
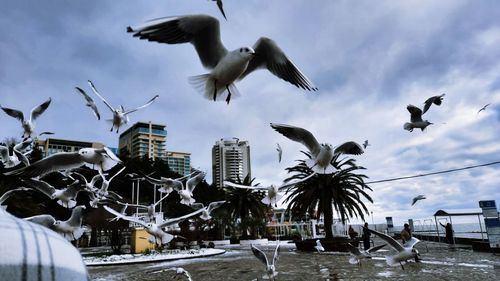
[28,124]
[271,272]
[11,192]
[319,247]
[167,185]
[103,191]
[158,236]
[186,193]
[280,152]
[415,119]
[226,66]
[366,144]
[89,186]
[419,197]
[322,154]
[206,211]
[358,255]
[71,229]
[181,271]
[65,197]
[8,160]
[404,252]
[123,211]
[483,108]
[89,102]
[273,192]
[151,209]
[101,159]
[120,115]
[437,100]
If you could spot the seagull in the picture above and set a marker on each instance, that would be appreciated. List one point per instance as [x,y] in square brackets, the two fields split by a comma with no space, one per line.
[280,152]
[205,215]
[150,209]
[219,4]
[103,191]
[273,191]
[319,247]
[120,115]
[28,125]
[358,255]
[271,272]
[122,211]
[8,160]
[71,229]
[437,100]
[90,102]
[158,236]
[11,192]
[405,251]
[186,194]
[483,108]
[89,186]
[322,154]
[101,159]
[416,119]
[226,67]
[181,271]
[65,196]
[419,197]
[366,144]
[167,185]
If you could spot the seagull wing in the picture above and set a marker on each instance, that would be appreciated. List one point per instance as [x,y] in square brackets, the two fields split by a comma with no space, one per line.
[40,185]
[349,147]
[214,205]
[14,113]
[22,146]
[45,220]
[410,243]
[194,181]
[300,135]
[90,102]
[72,190]
[276,255]
[393,243]
[259,255]
[55,162]
[117,173]
[286,185]
[221,8]
[97,93]
[270,56]
[375,248]
[235,185]
[76,217]
[415,112]
[143,106]
[153,180]
[353,250]
[37,111]
[414,201]
[121,216]
[280,152]
[200,30]
[179,219]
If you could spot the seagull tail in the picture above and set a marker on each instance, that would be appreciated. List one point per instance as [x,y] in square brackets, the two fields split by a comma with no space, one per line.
[207,86]
[407,126]
[390,261]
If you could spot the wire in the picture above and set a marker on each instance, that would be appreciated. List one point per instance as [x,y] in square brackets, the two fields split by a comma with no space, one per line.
[435,173]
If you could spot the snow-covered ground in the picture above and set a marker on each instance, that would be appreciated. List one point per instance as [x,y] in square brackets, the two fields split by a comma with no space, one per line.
[153,257]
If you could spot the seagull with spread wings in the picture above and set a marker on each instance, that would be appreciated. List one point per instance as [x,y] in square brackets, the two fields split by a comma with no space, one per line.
[89,102]
[65,197]
[226,66]
[186,193]
[321,154]
[120,115]
[419,197]
[71,228]
[415,119]
[483,108]
[28,124]
[358,255]
[271,272]
[167,185]
[206,211]
[437,100]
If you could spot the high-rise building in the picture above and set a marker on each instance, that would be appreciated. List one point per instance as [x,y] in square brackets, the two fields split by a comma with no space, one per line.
[230,160]
[144,139]
[179,162]
[50,146]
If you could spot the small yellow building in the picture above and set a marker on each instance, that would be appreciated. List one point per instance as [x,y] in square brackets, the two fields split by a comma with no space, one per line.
[139,241]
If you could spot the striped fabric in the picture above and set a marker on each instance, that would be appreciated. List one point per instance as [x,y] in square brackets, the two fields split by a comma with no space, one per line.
[30,251]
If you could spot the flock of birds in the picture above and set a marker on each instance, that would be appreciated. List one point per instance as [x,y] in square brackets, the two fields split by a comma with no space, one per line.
[226,67]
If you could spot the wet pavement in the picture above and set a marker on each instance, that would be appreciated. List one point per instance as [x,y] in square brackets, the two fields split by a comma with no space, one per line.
[439,262]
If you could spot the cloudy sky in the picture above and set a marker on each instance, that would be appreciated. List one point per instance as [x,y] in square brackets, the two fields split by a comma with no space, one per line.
[369,59]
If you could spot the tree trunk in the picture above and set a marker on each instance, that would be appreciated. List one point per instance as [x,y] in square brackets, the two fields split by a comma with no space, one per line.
[326,203]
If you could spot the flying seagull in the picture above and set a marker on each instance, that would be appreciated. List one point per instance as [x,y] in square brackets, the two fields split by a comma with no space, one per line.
[322,154]
[226,67]
[186,193]
[219,4]
[273,191]
[8,160]
[405,252]
[28,124]
[167,185]
[366,144]
[71,229]
[358,255]
[205,215]
[319,247]
[415,119]
[483,108]
[120,115]
[150,209]
[437,100]
[100,159]
[103,191]
[65,197]
[90,102]
[419,197]
[270,267]
[280,152]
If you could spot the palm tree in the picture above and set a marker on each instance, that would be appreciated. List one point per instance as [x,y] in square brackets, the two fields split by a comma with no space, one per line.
[342,191]
[246,205]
